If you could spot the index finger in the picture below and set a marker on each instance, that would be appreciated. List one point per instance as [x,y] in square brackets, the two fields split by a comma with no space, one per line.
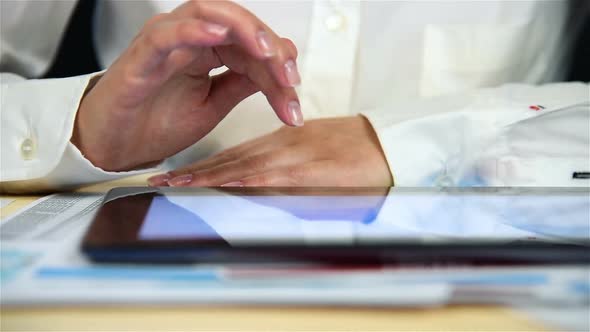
[247,29]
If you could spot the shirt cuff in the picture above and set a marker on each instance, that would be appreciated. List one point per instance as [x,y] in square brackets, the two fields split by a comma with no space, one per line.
[514,135]
[75,170]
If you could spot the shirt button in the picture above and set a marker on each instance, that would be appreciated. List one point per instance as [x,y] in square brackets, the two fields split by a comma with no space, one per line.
[27,149]
[335,22]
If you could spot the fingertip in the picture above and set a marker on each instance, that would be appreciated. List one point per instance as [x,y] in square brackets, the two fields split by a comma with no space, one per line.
[215,29]
[292,73]
[159,180]
[287,109]
[266,46]
[233,184]
[295,114]
[181,180]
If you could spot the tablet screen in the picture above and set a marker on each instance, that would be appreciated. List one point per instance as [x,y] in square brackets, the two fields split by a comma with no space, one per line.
[352,217]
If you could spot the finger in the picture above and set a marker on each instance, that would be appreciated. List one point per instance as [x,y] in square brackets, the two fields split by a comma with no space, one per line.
[242,168]
[284,100]
[255,146]
[291,46]
[283,65]
[286,61]
[246,29]
[312,174]
[193,62]
[249,148]
[249,33]
[159,180]
[153,46]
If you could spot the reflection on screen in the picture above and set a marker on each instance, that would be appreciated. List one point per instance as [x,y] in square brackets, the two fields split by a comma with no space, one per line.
[354,219]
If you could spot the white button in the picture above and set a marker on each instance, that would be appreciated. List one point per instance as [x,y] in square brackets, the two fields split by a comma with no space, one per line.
[27,149]
[335,22]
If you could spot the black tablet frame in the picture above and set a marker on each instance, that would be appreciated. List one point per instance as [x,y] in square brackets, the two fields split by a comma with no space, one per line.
[102,244]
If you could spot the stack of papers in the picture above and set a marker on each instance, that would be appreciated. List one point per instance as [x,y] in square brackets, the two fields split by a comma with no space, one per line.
[40,263]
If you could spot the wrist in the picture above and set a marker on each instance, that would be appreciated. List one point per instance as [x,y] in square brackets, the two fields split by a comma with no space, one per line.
[85,134]
[102,146]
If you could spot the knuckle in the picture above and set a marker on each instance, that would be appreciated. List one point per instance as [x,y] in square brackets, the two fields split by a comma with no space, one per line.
[257,162]
[227,155]
[128,76]
[151,38]
[291,48]
[196,4]
[262,181]
[217,174]
[184,31]
[134,49]
[204,178]
[229,6]
[236,11]
[296,175]
[154,20]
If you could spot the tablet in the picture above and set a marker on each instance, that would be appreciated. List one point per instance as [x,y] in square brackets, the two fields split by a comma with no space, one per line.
[342,225]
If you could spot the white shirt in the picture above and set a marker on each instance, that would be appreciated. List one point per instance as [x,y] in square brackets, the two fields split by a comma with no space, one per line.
[434,78]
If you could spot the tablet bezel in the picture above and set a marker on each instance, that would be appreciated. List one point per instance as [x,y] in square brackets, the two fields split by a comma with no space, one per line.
[101,244]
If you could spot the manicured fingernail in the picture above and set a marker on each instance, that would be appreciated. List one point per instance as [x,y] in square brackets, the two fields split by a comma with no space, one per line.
[158,180]
[292,73]
[265,43]
[295,113]
[233,184]
[216,29]
[181,180]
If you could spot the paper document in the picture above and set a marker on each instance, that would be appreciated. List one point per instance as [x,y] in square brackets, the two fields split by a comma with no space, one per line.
[50,218]
[41,264]
[5,202]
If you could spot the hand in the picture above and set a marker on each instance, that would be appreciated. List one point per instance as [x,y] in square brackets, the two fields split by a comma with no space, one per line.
[158,98]
[328,152]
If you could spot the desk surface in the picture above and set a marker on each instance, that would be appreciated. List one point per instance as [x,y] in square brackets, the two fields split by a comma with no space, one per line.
[231,318]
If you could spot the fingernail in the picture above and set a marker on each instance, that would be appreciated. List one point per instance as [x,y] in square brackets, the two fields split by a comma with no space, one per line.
[292,73]
[295,113]
[216,29]
[233,184]
[265,43]
[181,180]
[158,180]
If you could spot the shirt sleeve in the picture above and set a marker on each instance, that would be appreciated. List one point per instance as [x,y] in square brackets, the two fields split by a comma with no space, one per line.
[37,124]
[513,135]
